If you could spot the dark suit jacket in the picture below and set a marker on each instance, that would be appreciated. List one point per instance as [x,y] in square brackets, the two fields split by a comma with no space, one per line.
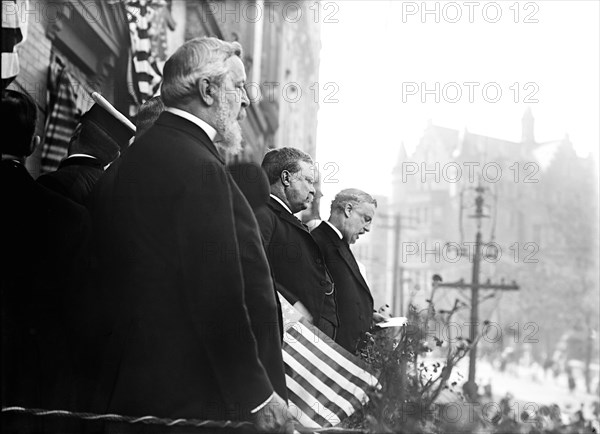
[297,263]
[354,300]
[171,224]
[260,294]
[44,243]
[75,178]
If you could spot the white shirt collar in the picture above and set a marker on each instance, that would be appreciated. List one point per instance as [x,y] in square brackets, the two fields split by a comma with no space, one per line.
[11,157]
[337,231]
[282,204]
[87,156]
[82,155]
[210,131]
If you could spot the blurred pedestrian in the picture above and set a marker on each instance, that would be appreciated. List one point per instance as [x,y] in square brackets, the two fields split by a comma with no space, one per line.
[548,366]
[571,382]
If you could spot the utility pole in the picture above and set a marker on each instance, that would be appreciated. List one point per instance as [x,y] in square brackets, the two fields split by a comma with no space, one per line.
[397,286]
[398,269]
[475,281]
[475,286]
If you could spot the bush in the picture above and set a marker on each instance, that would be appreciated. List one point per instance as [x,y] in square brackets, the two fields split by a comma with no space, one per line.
[418,393]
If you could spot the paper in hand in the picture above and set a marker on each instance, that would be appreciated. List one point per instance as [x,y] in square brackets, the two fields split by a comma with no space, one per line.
[397,321]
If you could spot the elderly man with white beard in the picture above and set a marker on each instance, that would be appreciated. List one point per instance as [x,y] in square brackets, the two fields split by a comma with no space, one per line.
[194,324]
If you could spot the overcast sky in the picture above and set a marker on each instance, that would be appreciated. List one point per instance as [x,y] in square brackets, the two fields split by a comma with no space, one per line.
[379,54]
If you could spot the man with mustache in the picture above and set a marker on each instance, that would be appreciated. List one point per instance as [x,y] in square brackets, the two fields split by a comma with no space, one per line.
[175,236]
[352,213]
[301,275]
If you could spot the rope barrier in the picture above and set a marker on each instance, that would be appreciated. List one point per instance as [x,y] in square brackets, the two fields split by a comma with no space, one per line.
[153,420]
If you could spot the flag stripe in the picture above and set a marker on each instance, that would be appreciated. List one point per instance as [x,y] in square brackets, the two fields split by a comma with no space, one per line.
[325,376]
[11,37]
[10,14]
[315,386]
[324,353]
[10,65]
[305,403]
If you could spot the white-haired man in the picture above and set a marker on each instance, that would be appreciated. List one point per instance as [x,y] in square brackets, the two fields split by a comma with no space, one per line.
[174,231]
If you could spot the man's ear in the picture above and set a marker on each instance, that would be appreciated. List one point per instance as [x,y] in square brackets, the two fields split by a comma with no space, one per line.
[285,178]
[35,141]
[206,91]
[347,210]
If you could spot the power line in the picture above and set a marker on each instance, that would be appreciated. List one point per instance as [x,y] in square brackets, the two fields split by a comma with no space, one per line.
[475,286]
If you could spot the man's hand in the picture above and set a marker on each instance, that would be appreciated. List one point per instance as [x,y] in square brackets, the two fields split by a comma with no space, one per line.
[303,311]
[377,317]
[274,417]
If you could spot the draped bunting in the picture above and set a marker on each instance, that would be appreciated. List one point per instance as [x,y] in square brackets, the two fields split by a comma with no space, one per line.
[62,117]
[147,31]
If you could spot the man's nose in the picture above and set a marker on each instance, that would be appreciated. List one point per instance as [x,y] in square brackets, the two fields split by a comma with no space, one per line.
[245,99]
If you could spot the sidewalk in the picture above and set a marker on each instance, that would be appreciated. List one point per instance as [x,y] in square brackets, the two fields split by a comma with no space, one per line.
[532,394]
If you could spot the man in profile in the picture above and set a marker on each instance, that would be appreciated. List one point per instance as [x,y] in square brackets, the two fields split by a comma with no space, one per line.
[352,213]
[172,224]
[301,275]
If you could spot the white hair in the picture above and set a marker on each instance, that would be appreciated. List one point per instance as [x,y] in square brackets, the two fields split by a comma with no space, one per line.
[199,58]
[353,196]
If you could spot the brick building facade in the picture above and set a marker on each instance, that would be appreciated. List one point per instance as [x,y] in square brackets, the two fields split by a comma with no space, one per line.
[281,42]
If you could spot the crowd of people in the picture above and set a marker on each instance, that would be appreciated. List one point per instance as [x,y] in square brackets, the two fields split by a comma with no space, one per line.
[142,277]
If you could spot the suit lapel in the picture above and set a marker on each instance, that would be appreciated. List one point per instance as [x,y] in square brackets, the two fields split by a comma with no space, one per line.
[351,261]
[346,254]
[285,215]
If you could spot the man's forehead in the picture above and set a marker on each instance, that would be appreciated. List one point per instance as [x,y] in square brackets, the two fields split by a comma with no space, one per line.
[236,68]
[367,208]
[306,167]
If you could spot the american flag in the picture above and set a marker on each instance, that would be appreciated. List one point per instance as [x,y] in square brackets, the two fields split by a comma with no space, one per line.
[325,382]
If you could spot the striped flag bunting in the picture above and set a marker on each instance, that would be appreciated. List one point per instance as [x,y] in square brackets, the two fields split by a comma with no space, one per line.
[62,117]
[325,382]
[144,72]
[13,33]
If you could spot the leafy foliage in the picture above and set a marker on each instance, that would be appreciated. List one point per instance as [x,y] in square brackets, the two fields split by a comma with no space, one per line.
[411,381]
[419,390]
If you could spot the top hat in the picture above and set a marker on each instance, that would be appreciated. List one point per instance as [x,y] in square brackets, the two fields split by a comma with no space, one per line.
[113,126]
